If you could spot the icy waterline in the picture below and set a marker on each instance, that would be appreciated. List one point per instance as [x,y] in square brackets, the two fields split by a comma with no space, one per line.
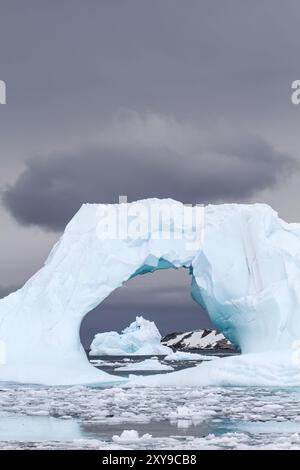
[245,273]
[273,369]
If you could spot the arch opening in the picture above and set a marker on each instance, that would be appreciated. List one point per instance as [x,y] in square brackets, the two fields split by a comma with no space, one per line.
[162,296]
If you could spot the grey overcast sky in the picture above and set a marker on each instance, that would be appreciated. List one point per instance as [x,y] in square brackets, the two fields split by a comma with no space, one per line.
[188,99]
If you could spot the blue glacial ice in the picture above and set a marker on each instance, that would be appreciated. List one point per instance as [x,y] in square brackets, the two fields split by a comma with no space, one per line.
[245,273]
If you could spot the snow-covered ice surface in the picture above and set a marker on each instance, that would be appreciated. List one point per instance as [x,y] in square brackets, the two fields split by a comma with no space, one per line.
[140,338]
[147,364]
[245,267]
[277,369]
[149,418]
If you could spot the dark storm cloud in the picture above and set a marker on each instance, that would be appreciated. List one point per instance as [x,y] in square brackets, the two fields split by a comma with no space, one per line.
[69,64]
[51,190]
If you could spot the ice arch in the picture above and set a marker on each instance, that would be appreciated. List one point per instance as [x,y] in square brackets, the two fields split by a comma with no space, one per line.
[245,272]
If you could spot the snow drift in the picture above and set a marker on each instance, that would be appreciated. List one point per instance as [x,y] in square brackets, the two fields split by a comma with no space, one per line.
[246,273]
[140,338]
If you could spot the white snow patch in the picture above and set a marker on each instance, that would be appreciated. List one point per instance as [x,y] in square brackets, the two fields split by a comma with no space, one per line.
[196,341]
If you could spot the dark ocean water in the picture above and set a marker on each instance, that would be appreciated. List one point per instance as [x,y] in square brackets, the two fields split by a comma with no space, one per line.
[110,363]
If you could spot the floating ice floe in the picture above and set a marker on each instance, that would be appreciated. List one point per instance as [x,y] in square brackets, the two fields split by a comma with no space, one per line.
[221,417]
[147,364]
[131,437]
[187,356]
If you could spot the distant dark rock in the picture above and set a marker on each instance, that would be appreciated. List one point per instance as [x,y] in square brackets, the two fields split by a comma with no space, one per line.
[198,339]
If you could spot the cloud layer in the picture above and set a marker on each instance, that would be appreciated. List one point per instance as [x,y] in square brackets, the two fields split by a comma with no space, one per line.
[148,156]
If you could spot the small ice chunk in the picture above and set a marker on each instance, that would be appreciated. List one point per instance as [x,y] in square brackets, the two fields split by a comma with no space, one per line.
[187,356]
[147,364]
[130,436]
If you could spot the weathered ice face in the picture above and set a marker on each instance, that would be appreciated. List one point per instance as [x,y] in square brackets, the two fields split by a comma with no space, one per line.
[245,269]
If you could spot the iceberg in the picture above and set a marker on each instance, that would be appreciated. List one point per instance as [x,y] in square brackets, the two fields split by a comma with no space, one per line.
[245,271]
[140,338]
